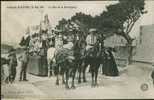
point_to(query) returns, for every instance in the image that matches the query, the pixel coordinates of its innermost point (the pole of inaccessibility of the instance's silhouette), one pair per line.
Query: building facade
(145, 46)
(119, 43)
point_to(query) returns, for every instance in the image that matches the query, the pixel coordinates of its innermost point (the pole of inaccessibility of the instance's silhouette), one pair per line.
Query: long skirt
(110, 68)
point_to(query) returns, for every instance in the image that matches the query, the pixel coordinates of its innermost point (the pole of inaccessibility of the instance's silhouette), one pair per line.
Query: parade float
(36, 40)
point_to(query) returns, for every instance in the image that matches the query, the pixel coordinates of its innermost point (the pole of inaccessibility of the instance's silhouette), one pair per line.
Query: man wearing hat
(12, 65)
(24, 62)
(91, 38)
(58, 40)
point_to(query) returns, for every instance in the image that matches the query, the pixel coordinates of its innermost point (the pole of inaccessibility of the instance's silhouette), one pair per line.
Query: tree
(80, 23)
(85, 22)
(62, 25)
(85, 19)
(120, 19)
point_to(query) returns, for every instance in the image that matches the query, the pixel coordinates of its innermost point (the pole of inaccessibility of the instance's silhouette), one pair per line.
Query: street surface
(127, 85)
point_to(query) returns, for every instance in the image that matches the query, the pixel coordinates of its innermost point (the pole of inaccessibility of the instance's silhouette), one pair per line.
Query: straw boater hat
(92, 30)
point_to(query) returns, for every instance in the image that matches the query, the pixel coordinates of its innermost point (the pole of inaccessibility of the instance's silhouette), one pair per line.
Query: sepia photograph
(77, 49)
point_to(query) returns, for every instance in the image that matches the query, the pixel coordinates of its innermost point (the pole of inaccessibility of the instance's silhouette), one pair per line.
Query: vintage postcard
(77, 49)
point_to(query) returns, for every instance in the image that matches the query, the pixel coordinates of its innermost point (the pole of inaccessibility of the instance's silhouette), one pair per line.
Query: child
(4, 69)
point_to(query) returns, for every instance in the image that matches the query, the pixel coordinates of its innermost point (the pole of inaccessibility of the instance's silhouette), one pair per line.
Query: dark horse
(79, 53)
(65, 65)
(93, 57)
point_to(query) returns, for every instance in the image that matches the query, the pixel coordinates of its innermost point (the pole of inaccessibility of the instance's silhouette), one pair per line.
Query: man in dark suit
(12, 65)
(24, 62)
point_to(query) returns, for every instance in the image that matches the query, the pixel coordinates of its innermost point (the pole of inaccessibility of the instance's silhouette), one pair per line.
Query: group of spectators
(12, 62)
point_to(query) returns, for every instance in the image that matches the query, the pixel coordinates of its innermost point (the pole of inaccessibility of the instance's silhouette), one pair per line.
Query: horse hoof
(79, 81)
(51, 74)
(92, 85)
(73, 87)
(96, 85)
(67, 87)
(84, 81)
(57, 83)
(6, 82)
(63, 82)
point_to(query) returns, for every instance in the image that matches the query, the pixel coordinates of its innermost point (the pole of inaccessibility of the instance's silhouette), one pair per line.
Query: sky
(14, 20)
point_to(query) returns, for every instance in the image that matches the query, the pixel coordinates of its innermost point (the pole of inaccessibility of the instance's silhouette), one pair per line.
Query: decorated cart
(37, 65)
(37, 41)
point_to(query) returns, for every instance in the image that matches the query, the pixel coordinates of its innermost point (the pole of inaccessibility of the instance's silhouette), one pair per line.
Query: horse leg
(92, 74)
(89, 70)
(57, 74)
(63, 79)
(11, 77)
(96, 75)
(79, 70)
(48, 69)
(57, 80)
(67, 77)
(73, 76)
(79, 79)
(51, 68)
(84, 73)
(7, 79)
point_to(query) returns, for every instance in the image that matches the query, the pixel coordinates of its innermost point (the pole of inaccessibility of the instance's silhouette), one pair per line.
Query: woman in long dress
(110, 66)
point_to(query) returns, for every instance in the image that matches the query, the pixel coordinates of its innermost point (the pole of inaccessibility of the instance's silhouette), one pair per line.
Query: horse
(65, 65)
(79, 53)
(93, 57)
